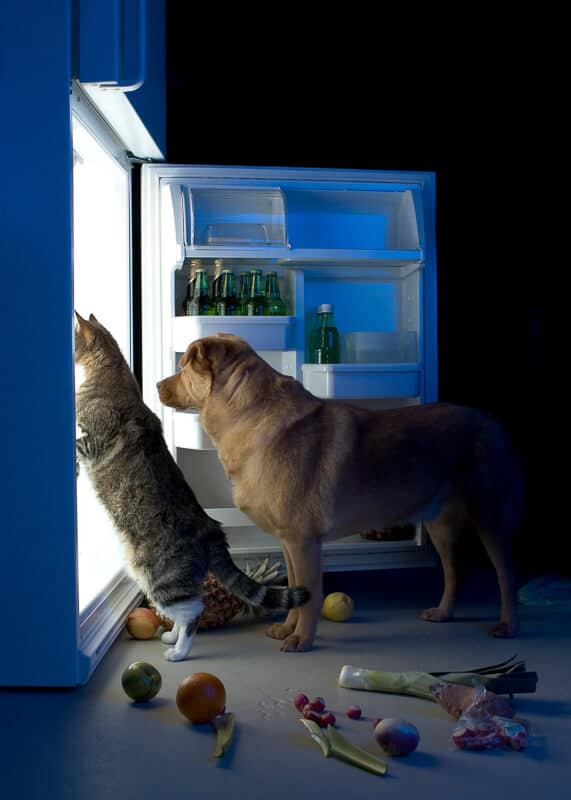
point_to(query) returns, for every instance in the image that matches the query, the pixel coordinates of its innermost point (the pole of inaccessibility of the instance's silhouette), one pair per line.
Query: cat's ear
(84, 329)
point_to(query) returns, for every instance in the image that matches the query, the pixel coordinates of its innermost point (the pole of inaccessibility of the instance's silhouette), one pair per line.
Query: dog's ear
(202, 354)
(84, 329)
(195, 356)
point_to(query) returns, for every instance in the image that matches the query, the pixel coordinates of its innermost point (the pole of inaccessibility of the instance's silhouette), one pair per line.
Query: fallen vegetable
(354, 712)
(509, 677)
(396, 736)
(333, 744)
(224, 726)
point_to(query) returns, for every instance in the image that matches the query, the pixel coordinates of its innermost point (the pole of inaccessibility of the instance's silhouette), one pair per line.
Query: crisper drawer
(355, 381)
(262, 333)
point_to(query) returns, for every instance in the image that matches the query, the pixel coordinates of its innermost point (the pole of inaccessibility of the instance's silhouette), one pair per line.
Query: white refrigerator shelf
(355, 381)
(249, 544)
(262, 333)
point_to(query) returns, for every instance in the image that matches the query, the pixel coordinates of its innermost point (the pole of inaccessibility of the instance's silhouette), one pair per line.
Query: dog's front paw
(435, 615)
(280, 630)
(296, 644)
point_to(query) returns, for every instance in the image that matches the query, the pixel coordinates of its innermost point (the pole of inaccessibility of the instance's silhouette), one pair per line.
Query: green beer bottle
(228, 302)
(193, 265)
(274, 306)
(325, 338)
(201, 305)
(216, 276)
(256, 303)
(244, 292)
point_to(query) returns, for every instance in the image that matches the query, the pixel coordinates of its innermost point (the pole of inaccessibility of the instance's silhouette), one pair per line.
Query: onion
(396, 736)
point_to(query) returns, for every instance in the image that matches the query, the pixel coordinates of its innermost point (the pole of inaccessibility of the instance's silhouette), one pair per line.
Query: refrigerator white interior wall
(101, 258)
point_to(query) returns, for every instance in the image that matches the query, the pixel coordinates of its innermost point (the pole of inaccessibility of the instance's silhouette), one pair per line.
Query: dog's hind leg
(498, 549)
(444, 535)
(281, 630)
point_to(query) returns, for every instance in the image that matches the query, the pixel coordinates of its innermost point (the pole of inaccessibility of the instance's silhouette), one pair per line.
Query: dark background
(392, 97)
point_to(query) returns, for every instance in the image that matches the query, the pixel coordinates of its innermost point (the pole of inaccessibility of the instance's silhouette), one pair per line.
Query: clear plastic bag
(478, 729)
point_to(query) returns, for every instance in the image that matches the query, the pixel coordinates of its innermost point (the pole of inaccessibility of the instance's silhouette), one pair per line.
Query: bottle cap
(325, 308)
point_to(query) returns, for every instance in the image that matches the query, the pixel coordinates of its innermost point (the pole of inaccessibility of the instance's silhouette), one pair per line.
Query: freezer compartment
(349, 381)
(262, 333)
(349, 218)
(221, 217)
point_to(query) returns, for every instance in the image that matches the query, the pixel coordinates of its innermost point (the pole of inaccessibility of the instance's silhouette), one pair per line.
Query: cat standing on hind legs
(170, 541)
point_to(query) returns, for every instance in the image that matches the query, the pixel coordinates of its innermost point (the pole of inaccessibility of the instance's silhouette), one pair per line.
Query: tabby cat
(170, 541)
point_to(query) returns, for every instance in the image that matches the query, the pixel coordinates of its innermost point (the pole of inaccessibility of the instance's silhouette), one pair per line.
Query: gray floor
(93, 743)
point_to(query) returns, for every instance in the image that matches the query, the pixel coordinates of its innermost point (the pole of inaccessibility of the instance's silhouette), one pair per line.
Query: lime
(141, 681)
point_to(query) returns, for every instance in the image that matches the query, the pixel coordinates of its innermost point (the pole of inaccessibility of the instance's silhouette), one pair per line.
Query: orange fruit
(201, 697)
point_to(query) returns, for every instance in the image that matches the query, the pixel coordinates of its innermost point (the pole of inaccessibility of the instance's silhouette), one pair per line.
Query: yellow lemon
(338, 607)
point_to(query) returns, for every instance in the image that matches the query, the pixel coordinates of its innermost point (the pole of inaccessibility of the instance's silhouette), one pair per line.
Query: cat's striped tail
(251, 591)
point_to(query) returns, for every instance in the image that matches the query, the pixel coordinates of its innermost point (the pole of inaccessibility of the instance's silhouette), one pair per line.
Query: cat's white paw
(169, 637)
(173, 655)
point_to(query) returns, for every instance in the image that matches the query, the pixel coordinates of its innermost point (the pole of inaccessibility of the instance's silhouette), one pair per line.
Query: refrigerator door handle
(112, 49)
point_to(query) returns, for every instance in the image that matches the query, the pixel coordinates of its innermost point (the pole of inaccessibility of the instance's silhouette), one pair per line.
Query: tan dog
(308, 470)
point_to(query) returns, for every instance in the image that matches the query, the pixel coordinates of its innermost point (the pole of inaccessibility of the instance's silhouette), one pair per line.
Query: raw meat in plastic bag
(457, 699)
(493, 733)
(478, 728)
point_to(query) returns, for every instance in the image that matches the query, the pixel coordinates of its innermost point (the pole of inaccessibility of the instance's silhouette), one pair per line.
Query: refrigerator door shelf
(356, 381)
(262, 333)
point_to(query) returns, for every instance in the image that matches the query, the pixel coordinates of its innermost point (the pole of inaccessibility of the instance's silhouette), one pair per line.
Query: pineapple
(220, 605)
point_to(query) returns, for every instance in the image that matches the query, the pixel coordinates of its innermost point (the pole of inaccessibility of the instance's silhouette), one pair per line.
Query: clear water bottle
(325, 344)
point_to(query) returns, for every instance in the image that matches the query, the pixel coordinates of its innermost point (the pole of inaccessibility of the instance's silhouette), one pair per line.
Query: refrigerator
(362, 241)
(106, 226)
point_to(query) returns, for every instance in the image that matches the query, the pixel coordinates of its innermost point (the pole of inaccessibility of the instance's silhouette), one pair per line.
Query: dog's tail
(249, 590)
